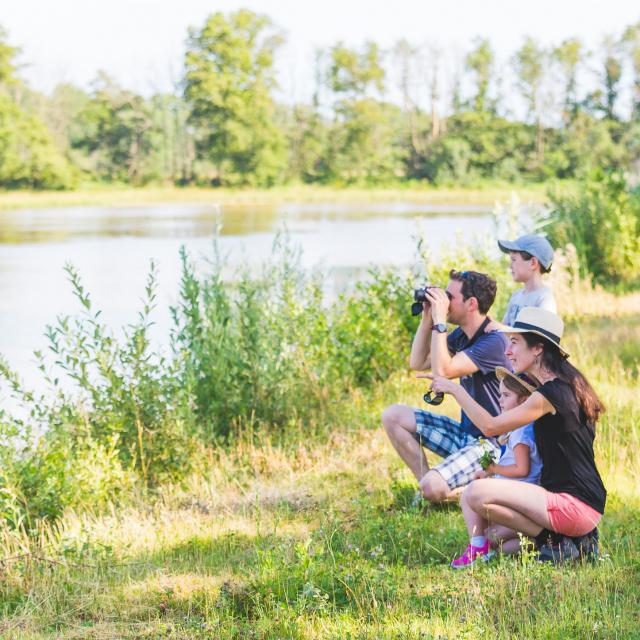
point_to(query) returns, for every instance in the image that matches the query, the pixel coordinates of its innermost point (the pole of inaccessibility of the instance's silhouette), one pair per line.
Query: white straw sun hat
(543, 323)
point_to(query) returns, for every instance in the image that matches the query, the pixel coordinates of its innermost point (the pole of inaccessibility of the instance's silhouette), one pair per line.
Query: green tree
(479, 144)
(355, 73)
(405, 56)
(480, 63)
(8, 54)
(612, 72)
(631, 42)
(307, 131)
(117, 131)
(307, 136)
(173, 156)
(529, 63)
(28, 156)
(227, 84)
(364, 139)
(59, 112)
(568, 55)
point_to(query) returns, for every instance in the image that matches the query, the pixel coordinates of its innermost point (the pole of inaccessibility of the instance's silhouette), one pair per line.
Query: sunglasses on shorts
(434, 400)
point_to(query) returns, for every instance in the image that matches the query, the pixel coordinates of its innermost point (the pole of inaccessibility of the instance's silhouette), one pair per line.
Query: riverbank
(112, 196)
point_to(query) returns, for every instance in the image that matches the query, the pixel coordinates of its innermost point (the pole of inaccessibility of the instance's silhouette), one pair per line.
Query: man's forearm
(440, 356)
(421, 345)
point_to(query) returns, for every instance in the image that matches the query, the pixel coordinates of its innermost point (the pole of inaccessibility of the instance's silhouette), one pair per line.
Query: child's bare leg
(499, 534)
(511, 547)
(476, 525)
(503, 538)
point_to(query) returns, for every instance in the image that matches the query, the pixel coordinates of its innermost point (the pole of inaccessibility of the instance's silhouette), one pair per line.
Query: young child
(531, 257)
(519, 461)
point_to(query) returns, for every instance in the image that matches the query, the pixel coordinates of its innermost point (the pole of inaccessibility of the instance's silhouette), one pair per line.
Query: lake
(113, 246)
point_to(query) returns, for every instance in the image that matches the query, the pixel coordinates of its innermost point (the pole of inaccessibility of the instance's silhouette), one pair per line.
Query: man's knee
(398, 416)
(434, 487)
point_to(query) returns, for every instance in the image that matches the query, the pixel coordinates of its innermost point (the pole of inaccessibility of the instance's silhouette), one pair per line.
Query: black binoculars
(420, 296)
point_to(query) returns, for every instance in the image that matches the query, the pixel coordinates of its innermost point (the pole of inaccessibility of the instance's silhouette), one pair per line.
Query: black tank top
(565, 442)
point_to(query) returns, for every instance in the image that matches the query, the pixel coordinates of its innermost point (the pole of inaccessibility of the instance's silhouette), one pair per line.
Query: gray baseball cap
(538, 246)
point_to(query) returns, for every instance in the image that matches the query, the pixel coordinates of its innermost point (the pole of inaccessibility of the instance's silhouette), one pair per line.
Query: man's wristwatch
(440, 327)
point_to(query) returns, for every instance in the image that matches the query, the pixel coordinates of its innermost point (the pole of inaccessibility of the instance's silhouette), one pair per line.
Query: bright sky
(141, 42)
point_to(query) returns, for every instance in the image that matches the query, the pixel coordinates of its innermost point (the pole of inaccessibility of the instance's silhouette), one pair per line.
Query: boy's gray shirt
(542, 298)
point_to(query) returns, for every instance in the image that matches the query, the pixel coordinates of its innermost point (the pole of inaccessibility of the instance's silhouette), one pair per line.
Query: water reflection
(189, 221)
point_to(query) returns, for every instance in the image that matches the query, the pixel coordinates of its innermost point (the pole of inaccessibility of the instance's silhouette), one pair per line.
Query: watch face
(440, 328)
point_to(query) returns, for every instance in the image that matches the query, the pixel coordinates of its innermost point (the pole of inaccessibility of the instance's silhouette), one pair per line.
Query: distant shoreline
(111, 196)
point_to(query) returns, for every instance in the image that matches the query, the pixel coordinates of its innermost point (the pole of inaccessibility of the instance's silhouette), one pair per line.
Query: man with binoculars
(468, 353)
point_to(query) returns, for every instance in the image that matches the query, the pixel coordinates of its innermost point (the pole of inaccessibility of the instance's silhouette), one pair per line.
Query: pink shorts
(569, 515)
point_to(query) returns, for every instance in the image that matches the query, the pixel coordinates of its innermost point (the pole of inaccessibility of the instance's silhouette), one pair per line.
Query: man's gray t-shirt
(542, 298)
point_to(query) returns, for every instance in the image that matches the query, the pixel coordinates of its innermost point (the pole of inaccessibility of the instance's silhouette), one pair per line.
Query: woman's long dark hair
(554, 362)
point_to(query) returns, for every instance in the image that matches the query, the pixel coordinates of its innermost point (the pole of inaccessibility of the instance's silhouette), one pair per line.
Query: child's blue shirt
(523, 435)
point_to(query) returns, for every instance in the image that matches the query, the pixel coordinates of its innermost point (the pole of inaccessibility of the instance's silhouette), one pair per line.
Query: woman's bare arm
(533, 408)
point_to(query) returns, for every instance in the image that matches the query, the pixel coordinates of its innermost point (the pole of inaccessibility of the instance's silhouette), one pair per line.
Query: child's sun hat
(528, 384)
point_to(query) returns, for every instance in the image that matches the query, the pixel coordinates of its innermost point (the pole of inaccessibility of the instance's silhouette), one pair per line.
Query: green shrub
(602, 220)
(447, 161)
(41, 476)
(28, 156)
(123, 389)
(267, 350)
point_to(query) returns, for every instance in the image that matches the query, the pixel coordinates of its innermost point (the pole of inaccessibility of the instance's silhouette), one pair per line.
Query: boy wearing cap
(531, 257)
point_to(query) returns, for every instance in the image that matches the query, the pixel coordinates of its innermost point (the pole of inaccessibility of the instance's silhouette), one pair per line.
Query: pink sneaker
(470, 555)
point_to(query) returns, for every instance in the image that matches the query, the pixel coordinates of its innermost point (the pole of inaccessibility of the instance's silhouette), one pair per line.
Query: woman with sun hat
(562, 513)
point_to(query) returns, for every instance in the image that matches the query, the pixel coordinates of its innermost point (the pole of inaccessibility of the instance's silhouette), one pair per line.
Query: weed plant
(260, 352)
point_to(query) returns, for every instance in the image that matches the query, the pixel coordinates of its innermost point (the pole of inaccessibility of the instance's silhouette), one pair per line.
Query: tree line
(376, 116)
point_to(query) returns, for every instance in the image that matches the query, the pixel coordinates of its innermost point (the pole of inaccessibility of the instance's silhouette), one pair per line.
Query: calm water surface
(112, 248)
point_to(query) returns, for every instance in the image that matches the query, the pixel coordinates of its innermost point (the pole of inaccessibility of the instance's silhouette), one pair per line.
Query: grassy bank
(313, 536)
(111, 196)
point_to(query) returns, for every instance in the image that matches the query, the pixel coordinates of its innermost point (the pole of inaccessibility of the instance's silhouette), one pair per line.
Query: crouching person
(467, 353)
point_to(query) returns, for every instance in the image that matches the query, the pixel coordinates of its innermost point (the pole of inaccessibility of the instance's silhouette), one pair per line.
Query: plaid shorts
(461, 450)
